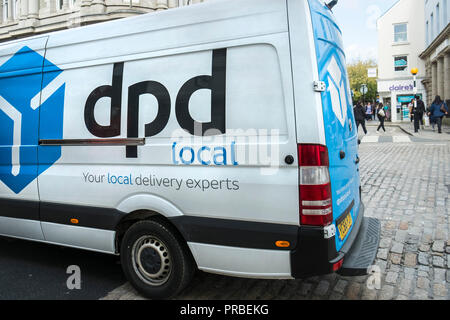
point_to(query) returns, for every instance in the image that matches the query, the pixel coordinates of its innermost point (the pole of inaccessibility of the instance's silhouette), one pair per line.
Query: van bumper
(316, 255)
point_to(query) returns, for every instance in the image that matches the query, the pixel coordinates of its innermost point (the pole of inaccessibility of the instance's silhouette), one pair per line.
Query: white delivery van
(218, 137)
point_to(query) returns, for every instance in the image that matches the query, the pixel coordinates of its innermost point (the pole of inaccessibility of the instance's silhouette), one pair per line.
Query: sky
(358, 22)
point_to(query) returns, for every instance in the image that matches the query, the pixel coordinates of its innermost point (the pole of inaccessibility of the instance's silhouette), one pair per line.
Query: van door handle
(342, 155)
(357, 160)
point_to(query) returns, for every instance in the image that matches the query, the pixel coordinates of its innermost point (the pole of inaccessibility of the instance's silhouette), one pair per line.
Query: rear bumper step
(364, 249)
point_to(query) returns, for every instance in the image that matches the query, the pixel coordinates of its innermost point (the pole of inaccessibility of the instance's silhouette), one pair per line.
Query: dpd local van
(218, 136)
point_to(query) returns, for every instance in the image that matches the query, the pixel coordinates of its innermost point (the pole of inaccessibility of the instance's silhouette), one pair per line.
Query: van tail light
(316, 206)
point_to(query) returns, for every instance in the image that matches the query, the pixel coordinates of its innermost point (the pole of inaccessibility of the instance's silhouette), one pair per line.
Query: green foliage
(357, 72)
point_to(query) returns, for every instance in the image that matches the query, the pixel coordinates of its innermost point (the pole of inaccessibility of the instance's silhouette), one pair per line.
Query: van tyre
(155, 260)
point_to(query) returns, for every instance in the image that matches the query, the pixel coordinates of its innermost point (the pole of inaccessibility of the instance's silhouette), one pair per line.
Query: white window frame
(445, 12)
(406, 32)
(438, 16)
(432, 26)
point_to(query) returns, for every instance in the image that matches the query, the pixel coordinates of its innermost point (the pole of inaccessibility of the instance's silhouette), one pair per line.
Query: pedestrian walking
(438, 110)
(432, 120)
(418, 114)
(381, 117)
(360, 117)
(374, 112)
(411, 110)
(387, 110)
(369, 112)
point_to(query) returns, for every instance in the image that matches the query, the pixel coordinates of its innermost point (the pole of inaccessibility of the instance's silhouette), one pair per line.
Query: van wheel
(155, 261)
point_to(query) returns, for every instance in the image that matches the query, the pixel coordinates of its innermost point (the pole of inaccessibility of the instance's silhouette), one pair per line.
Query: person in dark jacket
(381, 116)
(360, 116)
(438, 110)
(418, 114)
(432, 120)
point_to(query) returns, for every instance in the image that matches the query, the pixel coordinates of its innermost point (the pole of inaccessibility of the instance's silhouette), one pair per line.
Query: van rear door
(20, 84)
(339, 123)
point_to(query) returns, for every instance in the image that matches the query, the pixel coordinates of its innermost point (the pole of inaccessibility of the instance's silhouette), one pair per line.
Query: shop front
(397, 95)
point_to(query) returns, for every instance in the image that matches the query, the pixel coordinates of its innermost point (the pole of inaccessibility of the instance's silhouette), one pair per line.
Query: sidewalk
(408, 128)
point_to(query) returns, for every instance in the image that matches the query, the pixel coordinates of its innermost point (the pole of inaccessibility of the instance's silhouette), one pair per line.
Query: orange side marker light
(282, 244)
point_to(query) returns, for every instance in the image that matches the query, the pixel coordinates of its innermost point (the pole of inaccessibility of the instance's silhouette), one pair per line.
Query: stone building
(437, 52)
(23, 18)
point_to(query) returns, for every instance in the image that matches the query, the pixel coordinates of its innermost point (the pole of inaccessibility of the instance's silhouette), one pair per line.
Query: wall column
(33, 9)
(446, 94)
(65, 5)
(440, 77)
(10, 10)
(52, 6)
(23, 9)
(433, 80)
(1, 12)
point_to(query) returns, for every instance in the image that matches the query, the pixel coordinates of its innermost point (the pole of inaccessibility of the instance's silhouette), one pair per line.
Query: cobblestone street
(406, 186)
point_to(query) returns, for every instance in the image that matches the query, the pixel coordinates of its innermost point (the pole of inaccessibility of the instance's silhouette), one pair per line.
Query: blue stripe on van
(339, 123)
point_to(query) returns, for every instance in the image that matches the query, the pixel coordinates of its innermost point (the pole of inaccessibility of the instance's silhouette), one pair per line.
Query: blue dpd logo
(31, 108)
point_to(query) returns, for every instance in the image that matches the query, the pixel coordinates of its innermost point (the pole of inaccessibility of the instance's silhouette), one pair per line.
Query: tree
(357, 73)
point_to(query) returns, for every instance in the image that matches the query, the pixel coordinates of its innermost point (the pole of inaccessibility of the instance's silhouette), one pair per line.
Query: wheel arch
(141, 207)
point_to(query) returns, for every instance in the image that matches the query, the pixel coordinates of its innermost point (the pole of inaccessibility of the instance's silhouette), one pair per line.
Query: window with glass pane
(400, 33)
(401, 63)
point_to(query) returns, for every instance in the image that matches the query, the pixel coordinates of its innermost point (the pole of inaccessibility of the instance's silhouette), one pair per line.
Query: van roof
(211, 10)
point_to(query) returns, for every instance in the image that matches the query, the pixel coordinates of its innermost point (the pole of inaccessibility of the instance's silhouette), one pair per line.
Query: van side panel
(159, 85)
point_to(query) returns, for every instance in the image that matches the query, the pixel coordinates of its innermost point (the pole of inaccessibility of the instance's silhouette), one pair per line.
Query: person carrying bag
(381, 117)
(437, 111)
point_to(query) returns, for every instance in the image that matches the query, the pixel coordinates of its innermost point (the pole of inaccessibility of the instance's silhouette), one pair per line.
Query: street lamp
(414, 72)
(363, 89)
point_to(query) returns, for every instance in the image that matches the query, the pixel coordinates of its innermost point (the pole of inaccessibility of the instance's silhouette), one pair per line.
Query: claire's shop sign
(408, 87)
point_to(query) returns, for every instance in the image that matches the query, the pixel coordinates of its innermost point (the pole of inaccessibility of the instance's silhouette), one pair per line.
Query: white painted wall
(411, 13)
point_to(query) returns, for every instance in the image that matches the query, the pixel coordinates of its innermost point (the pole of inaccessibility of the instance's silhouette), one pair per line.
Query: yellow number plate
(345, 226)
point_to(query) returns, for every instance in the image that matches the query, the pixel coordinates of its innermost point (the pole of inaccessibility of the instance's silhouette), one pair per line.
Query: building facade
(401, 38)
(436, 54)
(23, 18)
